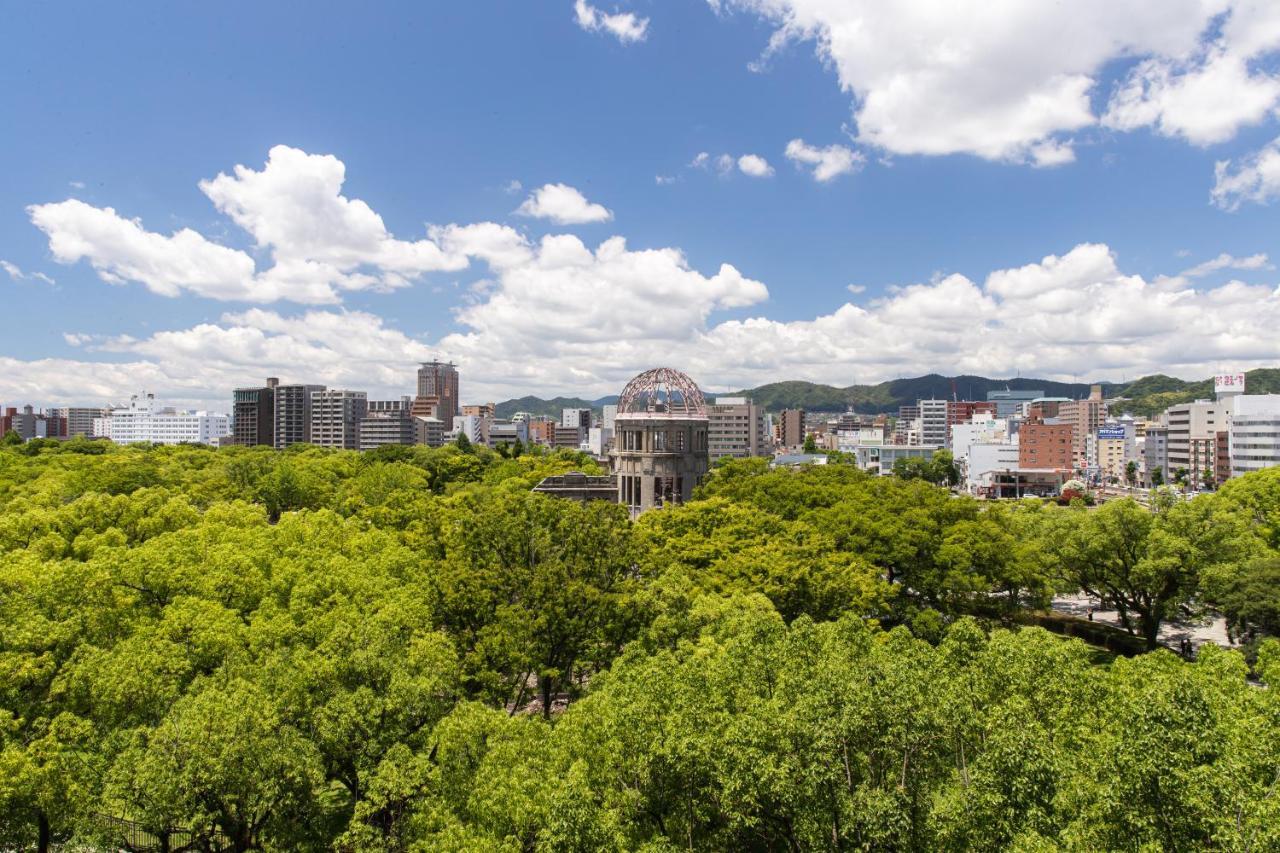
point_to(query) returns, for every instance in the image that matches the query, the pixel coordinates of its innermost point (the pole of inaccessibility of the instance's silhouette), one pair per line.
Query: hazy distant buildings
(336, 416)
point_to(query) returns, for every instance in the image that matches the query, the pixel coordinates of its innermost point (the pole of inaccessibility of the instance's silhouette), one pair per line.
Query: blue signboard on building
(1111, 432)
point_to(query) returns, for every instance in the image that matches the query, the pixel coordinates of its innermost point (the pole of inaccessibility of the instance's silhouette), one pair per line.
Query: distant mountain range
(1146, 396)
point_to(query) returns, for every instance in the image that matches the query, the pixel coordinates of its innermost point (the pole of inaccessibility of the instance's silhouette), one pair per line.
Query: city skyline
(1088, 206)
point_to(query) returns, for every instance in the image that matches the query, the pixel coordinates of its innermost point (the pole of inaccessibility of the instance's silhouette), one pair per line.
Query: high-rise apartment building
(934, 423)
(293, 414)
(735, 428)
(905, 427)
(575, 417)
(481, 410)
(77, 421)
(1254, 433)
(440, 380)
(387, 422)
(253, 415)
(1155, 453)
(335, 417)
(791, 428)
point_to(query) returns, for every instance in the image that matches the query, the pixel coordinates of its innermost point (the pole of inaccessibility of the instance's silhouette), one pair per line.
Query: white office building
(934, 423)
(1254, 434)
(145, 421)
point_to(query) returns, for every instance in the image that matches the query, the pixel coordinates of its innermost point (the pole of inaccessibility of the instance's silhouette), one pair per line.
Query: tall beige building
(439, 379)
(1084, 417)
(1192, 436)
(735, 428)
(791, 428)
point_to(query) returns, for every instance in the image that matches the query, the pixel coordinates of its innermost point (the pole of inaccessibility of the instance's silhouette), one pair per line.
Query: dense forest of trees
(408, 649)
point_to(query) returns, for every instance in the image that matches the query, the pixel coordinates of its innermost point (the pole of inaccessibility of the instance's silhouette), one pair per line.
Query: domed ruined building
(660, 440)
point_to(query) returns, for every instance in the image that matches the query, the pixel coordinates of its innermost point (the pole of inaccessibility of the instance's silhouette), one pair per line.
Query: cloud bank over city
(559, 314)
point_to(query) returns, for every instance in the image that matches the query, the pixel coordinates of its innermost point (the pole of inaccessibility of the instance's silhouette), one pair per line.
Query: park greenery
(408, 649)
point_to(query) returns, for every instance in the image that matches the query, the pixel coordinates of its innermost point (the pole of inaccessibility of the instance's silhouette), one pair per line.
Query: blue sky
(1030, 205)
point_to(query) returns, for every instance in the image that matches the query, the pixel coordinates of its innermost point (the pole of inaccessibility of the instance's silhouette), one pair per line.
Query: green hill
(1146, 396)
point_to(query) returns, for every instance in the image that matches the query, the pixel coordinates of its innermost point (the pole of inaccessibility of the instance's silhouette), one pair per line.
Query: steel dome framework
(662, 391)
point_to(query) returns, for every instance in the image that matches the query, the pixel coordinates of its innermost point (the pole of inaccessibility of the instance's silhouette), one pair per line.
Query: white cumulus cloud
(625, 26)
(1013, 81)
(1226, 261)
(320, 242)
(827, 163)
(563, 204)
(1255, 178)
(754, 165)
(16, 273)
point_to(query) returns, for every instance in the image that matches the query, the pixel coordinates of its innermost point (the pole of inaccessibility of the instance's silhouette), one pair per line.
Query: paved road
(1171, 633)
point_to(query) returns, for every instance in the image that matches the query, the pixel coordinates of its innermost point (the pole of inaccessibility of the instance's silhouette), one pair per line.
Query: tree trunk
(42, 832)
(1151, 631)
(544, 684)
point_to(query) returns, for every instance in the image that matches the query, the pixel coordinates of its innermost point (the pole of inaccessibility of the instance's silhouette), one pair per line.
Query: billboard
(1110, 432)
(1228, 383)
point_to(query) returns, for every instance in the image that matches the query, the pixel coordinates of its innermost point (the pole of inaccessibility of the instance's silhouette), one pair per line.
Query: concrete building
(1112, 450)
(73, 421)
(791, 428)
(846, 441)
(508, 433)
(982, 429)
(608, 413)
(660, 449)
(987, 463)
(879, 459)
(599, 441)
(934, 423)
(574, 417)
(481, 410)
(908, 421)
(1009, 402)
(26, 422)
(336, 416)
(439, 379)
(387, 422)
(145, 421)
(580, 487)
(1192, 435)
(1155, 454)
(293, 414)
(966, 411)
(1254, 433)
(542, 430)
(253, 413)
(1045, 446)
(570, 437)
(429, 431)
(735, 428)
(474, 428)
